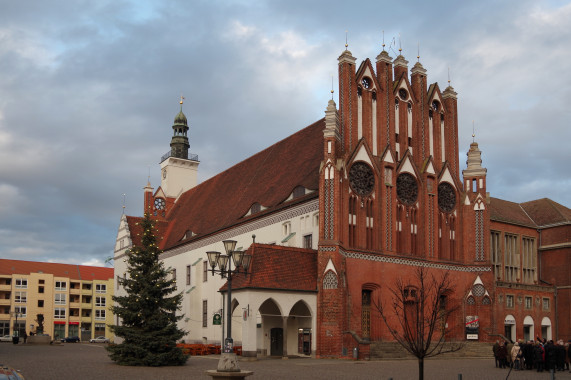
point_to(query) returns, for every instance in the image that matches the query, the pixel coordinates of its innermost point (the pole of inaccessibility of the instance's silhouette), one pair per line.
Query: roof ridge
(526, 214)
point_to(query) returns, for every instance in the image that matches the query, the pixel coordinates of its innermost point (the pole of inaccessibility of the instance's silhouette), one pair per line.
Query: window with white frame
(99, 315)
(60, 299)
(286, 227)
(61, 285)
(21, 283)
(20, 310)
(510, 301)
(100, 288)
(20, 297)
(100, 301)
(528, 302)
(59, 313)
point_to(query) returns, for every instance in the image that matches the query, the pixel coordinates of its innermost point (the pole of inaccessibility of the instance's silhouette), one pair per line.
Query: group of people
(539, 355)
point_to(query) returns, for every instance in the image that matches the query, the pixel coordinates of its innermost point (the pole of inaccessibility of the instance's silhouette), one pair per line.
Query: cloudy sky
(89, 91)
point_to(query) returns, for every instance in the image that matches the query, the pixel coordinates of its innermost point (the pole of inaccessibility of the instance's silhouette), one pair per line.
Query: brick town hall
(335, 213)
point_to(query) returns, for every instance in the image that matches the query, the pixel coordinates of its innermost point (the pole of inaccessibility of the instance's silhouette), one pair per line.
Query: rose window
(407, 188)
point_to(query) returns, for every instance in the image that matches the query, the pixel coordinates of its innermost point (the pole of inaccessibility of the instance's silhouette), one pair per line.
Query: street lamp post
(228, 362)
(16, 334)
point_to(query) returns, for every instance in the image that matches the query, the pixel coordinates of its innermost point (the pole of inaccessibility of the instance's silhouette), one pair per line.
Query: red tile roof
(267, 177)
(509, 212)
(74, 272)
(277, 267)
(545, 211)
(136, 230)
(538, 213)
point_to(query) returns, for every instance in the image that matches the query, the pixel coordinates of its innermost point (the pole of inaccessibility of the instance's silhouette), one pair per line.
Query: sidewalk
(84, 361)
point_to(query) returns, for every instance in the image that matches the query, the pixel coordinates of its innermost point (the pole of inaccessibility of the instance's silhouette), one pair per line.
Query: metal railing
(191, 157)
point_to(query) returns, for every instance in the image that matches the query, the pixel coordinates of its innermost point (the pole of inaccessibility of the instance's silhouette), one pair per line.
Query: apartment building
(73, 299)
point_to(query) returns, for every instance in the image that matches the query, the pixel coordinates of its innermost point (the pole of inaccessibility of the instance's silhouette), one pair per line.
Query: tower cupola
(179, 141)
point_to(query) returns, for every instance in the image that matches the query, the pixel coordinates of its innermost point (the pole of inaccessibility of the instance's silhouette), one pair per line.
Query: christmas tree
(148, 311)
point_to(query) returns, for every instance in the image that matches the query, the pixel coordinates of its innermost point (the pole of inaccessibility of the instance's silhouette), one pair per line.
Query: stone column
(285, 332)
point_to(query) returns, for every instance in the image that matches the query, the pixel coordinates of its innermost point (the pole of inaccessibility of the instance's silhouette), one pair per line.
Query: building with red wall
(377, 190)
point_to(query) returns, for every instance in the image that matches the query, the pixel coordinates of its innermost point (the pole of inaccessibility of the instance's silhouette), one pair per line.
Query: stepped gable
(136, 231)
(280, 268)
(545, 212)
(267, 177)
(509, 212)
(72, 271)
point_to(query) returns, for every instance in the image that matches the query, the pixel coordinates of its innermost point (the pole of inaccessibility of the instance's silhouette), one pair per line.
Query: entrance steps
(393, 350)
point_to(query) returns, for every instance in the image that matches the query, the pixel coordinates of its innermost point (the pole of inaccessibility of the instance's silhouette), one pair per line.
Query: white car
(99, 339)
(6, 338)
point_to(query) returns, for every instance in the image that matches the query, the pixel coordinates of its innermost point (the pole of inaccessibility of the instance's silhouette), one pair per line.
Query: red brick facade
(391, 199)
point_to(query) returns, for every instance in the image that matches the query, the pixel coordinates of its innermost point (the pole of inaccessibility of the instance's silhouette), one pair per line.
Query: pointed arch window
(470, 300)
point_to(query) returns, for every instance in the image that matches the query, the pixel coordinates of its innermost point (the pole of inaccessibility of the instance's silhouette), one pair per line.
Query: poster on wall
(472, 327)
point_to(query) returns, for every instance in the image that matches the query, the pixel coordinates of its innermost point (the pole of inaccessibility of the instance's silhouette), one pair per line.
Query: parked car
(99, 339)
(71, 339)
(6, 338)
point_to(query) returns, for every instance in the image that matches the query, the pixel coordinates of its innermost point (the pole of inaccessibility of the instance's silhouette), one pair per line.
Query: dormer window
(256, 207)
(299, 191)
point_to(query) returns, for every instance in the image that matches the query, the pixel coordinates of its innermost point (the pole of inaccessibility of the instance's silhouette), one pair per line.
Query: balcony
(86, 305)
(74, 305)
(4, 302)
(4, 287)
(75, 291)
(86, 319)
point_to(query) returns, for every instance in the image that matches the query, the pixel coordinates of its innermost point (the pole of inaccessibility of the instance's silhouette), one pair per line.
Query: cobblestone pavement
(84, 361)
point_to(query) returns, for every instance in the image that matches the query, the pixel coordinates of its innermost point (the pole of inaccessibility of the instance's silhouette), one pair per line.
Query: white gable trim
(362, 155)
(330, 267)
(407, 167)
(447, 177)
(371, 76)
(430, 168)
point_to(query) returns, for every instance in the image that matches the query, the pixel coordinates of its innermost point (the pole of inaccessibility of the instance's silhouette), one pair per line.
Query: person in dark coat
(528, 355)
(538, 356)
(503, 355)
(495, 349)
(560, 355)
(550, 356)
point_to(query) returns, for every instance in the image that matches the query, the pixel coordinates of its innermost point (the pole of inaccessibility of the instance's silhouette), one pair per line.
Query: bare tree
(418, 314)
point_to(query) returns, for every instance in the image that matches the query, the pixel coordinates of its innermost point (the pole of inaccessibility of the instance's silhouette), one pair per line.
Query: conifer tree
(147, 313)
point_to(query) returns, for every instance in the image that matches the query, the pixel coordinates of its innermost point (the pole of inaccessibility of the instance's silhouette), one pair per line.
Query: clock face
(160, 204)
(446, 197)
(407, 188)
(361, 179)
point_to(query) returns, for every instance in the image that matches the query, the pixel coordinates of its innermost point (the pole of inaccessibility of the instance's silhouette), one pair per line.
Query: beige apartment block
(73, 299)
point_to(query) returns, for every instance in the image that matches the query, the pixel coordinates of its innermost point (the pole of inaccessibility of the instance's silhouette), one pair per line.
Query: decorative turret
(179, 141)
(178, 169)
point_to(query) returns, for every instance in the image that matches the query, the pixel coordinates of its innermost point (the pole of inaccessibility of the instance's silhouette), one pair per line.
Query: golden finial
(332, 91)
(473, 132)
(181, 99)
(449, 76)
(418, 52)
(124, 195)
(400, 45)
(383, 40)
(346, 42)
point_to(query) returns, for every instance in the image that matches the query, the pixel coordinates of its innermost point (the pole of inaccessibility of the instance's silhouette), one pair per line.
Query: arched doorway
(528, 328)
(299, 329)
(546, 328)
(510, 327)
(272, 329)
